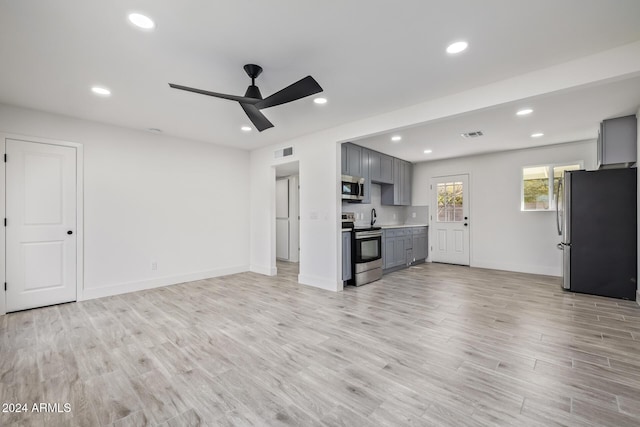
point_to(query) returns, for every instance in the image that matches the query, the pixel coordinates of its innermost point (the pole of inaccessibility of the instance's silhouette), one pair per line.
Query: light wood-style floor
(434, 345)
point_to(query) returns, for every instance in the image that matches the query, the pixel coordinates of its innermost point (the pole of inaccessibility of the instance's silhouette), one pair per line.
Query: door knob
(69, 232)
(465, 224)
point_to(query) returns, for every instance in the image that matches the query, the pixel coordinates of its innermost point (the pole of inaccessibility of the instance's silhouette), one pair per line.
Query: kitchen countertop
(347, 229)
(403, 226)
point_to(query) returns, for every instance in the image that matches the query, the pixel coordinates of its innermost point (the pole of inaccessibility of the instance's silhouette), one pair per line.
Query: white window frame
(550, 167)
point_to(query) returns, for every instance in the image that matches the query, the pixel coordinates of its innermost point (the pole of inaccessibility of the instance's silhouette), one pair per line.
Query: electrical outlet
(154, 265)
(413, 214)
(395, 216)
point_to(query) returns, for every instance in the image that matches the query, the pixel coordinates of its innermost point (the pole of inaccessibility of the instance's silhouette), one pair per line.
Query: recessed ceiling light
(320, 100)
(101, 91)
(245, 128)
(537, 135)
(428, 151)
(396, 138)
(457, 47)
(141, 21)
(524, 112)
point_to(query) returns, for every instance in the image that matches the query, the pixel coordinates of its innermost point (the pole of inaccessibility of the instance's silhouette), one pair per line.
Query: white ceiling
(370, 56)
(563, 117)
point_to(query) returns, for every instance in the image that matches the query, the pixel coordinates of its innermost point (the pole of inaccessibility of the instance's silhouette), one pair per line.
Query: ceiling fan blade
(257, 118)
(300, 89)
(243, 99)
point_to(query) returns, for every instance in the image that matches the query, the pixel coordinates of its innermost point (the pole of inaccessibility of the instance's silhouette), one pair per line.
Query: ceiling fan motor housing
(253, 92)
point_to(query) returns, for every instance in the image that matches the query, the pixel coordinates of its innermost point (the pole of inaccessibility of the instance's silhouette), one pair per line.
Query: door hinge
(5, 157)
(5, 222)
(5, 286)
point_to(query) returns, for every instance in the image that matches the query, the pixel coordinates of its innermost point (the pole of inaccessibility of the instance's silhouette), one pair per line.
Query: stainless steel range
(366, 256)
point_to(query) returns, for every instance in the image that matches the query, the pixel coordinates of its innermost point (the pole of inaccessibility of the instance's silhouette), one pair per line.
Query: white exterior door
(41, 224)
(450, 219)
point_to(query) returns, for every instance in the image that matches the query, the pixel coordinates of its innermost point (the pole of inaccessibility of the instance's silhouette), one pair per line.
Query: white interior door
(41, 224)
(282, 219)
(450, 219)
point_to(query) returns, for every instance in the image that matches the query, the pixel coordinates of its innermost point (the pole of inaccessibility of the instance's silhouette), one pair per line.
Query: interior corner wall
(318, 204)
(151, 198)
(503, 237)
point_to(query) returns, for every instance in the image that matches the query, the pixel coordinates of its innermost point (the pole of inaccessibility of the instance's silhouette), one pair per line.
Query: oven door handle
(367, 234)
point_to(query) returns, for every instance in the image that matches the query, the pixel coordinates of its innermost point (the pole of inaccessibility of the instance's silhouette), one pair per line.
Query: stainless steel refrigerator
(597, 218)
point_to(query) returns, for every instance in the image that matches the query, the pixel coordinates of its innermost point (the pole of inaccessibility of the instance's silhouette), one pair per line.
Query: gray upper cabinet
(393, 174)
(398, 194)
(343, 158)
(381, 167)
(366, 174)
(351, 160)
(617, 141)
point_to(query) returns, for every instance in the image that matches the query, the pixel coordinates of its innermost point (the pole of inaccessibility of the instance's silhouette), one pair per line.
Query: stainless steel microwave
(352, 188)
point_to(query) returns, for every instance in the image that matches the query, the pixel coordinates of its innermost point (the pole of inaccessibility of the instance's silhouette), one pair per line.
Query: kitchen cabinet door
(343, 158)
(420, 246)
(388, 252)
(365, 167)
(386, 169)
(346, 256)
(406, 183)
(354, 160)
(399, 251)
(381, 168)
(617, 141)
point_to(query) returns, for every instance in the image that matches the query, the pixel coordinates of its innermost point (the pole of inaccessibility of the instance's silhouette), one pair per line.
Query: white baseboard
(266, 270)
(531, 269)
(124, 288)
(320, 282)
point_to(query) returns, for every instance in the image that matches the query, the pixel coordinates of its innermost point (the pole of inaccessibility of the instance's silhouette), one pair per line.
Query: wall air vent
(475, 134)
(283, 152)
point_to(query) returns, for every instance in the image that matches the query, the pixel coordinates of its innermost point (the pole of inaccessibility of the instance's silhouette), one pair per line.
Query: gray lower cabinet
(403, 246)
(420, 243)
(346, 256)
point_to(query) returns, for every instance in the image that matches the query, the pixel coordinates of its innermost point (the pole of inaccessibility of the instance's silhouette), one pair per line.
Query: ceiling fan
(252, 101)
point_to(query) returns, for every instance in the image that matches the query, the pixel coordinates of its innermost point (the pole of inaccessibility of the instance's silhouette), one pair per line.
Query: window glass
(540, 185)
(535, 187)
(450, 201)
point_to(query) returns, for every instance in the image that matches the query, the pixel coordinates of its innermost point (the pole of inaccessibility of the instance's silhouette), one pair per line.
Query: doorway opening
(287, 220)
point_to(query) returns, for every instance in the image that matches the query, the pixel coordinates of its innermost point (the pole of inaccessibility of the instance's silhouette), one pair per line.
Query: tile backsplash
(387, 215)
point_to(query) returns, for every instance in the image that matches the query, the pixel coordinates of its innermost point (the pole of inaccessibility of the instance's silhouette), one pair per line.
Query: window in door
(450, 201)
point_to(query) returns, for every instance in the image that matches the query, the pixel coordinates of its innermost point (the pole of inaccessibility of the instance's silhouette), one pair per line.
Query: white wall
(319, 211)
(501, 235)
(181, 203)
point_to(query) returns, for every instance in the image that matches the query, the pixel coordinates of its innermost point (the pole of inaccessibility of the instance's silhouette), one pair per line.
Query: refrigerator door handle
(558, 222)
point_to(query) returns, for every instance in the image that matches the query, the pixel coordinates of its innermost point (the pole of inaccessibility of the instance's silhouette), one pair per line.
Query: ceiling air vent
(475, 134)
(283, 152)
